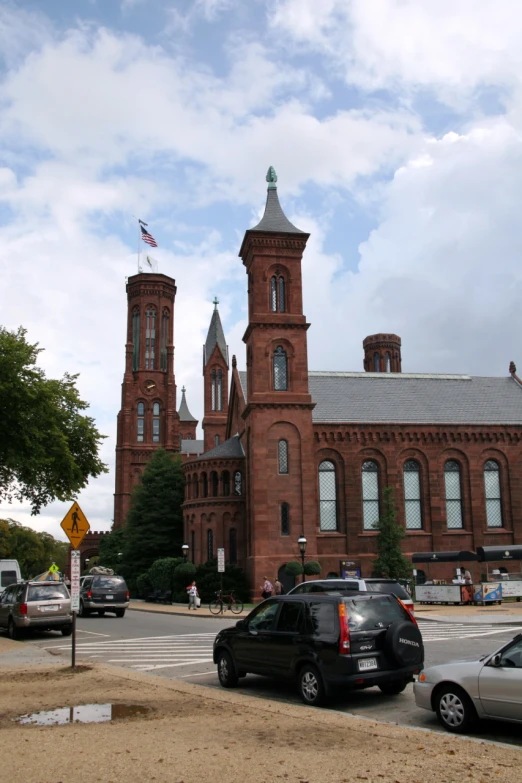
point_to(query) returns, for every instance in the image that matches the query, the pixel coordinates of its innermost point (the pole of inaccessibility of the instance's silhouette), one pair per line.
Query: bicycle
(217, 606)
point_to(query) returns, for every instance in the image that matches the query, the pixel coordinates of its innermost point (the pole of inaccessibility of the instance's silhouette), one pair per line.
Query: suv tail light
(344, 636)
(410, 613)
(23, 609)
(88, 594)
(127, 596)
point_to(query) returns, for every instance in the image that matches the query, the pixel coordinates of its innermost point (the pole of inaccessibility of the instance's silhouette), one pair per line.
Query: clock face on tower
(150, 386)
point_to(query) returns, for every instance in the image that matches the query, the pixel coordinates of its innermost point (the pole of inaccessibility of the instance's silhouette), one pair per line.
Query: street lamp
(302, 548)
(185, 549)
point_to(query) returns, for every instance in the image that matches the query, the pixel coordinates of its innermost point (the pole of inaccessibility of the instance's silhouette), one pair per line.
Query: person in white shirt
(192, 591)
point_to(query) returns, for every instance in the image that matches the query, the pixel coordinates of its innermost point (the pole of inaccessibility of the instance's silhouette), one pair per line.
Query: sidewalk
(506, 614)
(192, 734)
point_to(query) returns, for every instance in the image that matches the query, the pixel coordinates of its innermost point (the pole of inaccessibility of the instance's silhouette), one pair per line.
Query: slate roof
(215, 336)
(412, 398)
(192, 446)
(274, 218)
(229, 448)
(243, 381)
(184, 413)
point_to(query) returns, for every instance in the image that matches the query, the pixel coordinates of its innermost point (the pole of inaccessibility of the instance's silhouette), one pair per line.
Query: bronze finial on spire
(271, 178)
(183, 390)
(215, 302)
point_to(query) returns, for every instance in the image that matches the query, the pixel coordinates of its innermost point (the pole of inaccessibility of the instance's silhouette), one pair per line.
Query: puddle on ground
(83, 713)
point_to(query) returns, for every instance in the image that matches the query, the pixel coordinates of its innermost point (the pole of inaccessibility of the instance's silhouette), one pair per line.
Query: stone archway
(287, 581)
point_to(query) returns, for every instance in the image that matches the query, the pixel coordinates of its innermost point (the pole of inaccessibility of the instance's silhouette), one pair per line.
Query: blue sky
(395, 130)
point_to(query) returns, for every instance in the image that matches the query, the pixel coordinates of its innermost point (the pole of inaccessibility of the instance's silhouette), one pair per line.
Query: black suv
(102, 593)
(324, 642)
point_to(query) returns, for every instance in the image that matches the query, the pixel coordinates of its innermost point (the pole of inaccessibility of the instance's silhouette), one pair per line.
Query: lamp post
(185, 549)
(301, 541)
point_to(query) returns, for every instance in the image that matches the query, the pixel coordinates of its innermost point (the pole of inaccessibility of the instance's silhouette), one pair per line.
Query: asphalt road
(181, 648)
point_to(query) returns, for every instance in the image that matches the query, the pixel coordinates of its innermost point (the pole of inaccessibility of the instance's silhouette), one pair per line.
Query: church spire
(215, 336)
(274, 219)
(184, 413)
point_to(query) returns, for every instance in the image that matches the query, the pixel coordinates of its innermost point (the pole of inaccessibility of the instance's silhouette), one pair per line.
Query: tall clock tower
(148, 417)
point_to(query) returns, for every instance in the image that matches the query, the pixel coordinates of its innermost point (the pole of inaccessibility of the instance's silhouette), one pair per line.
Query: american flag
(148, 238)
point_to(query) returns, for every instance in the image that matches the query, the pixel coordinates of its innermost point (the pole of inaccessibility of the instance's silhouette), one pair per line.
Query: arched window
(493, 494)
(376, 362)
(273, 294)
(282, 295)
(195, 484)
(232, 546)
(282, 455)
(327, 496)
(219, 393)
(214, 483)
(164, 339)
(238, 483)
(210, 544)
(193, 546)
(452, 483)
(156, 422)
(370, 493)
(136, 339)
(277, 293)
(280, 370)
(150, 338)
(387, 360)
(216, 440)
(204, 485)
(412, 495)
(140, 429)
(213, 388)
(285, 519)
(225, 481)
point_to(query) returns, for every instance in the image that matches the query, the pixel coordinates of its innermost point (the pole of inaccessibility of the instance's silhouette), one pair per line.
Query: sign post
(221, 570)
(75, 526)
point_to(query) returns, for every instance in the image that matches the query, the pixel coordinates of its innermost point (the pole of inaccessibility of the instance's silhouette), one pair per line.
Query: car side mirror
(495, 661)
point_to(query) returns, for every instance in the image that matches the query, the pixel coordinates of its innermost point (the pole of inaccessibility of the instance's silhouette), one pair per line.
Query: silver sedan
(462, 692)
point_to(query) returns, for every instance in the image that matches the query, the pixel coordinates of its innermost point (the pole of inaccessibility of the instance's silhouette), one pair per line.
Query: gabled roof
(192, 447)
(243, 381)
(215, 336)
(184, 413)
(229, 448)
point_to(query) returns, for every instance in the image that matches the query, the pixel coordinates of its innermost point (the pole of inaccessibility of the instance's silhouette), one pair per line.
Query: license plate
(367, 664)
(48, 608)
(109, 598)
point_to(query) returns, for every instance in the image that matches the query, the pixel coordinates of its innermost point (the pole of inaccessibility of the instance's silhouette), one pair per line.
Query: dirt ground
(194, 734)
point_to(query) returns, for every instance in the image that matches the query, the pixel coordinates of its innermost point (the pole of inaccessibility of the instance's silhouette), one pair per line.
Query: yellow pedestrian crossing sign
(75, 525)
(54, 569)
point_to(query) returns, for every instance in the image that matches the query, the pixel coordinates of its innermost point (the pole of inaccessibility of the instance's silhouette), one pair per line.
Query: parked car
(324, 642)
(45, 606)
(9, 573)
(462, 692)
(346, 586)
(103, 593)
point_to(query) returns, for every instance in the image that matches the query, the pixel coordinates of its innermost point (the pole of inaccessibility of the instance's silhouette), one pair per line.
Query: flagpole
(139, 240)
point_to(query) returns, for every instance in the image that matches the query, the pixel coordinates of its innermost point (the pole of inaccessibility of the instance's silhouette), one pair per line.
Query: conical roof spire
(215, 336)
(274, 218)
(184, 413)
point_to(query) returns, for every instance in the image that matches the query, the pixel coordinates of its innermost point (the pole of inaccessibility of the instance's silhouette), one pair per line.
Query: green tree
(48, 448)
(112, 546)
(34, 551)
(154, 526)
(390, 562)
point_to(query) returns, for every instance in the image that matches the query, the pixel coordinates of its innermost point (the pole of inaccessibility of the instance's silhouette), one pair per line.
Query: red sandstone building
(289, 452)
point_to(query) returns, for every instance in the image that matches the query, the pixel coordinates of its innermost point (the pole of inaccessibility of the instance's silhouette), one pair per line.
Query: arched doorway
(286, 580)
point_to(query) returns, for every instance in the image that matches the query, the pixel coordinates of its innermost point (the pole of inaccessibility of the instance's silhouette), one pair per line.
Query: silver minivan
(36, 605)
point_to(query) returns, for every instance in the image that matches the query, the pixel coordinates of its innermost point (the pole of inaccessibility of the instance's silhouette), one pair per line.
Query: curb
(180, 614)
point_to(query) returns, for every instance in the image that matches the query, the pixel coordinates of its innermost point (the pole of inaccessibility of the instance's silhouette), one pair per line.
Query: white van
(9, 573)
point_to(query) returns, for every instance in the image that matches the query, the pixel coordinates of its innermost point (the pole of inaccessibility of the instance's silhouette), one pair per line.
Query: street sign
(75, 525)
(221, 561)
(75, 580)
(54, 569)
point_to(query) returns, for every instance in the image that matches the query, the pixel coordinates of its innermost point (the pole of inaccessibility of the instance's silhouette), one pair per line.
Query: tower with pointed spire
(187, 422)
(215, 375)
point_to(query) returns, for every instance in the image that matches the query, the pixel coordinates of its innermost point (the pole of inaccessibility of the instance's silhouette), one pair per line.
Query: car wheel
(393, 688)
(101, 612)
(120, 612)
(311, 688)
(82, 611)
(455, 709)
(12, 631)
(226, 670)
(67, 630)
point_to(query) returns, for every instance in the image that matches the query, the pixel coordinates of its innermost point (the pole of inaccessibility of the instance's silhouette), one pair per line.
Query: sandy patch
(194, 734)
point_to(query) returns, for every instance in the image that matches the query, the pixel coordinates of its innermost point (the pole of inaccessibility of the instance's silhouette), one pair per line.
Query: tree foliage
(111, 549)
(48, 448)
(294, 568)
(34, 551)
(154, 526)
(312, 568)
(390, 563)
(161, 574)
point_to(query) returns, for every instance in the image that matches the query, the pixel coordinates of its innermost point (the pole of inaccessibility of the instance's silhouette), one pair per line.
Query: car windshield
(109, 582)
(388, 587)
(47, 592)
(372, 613)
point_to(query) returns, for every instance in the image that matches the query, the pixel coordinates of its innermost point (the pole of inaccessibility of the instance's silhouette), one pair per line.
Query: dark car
(44, 606)
(324, 642)
(102, 593)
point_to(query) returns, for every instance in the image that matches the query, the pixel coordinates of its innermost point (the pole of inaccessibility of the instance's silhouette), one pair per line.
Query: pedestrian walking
(267, 588)
(278, 587)
(193, 595)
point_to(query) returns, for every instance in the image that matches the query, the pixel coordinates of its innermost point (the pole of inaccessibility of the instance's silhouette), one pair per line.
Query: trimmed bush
(183, 575)
(143, 585)
(209, 581)
(312, 568)
(162, 573)
(294, 568)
